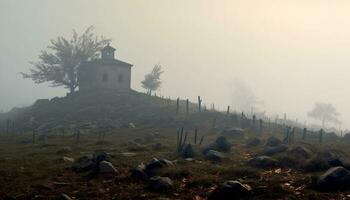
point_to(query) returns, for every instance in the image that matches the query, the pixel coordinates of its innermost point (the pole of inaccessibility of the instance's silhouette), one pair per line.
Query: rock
(263, 162)
(64, 150)
(273, 141)
(64, 197)
(134, 146)
(107, 168)
(68, 159)
(84, 163)
(157, 146)
(187, 151)
(326, 159)
(140, 172)
(160, 184)
(336, 178)
(300, 151)
(233, 132)
(253, 142)
(128, 154)
(271, 150)
(230, 190)
(99, 156)
(131, 125)
(221, 144)
(156, 164)
(214, 156)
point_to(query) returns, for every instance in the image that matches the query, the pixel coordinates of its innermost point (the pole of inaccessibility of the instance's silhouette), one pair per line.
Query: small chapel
(106, 73)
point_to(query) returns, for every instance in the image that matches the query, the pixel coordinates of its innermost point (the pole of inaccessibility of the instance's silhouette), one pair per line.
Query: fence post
(187, 106)
(228, 111)
(199, 104)
(260, 126)
(304, 133)
(177, 105)
(195, 135)
(321, 136)
(7, 127)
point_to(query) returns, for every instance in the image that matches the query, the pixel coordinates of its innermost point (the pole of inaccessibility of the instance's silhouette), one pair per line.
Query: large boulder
(263, 162)
(156, 164)
(326, 159)
(140, 172)
(187, 151)
(273, 141)
(107, 168)
(84, 163)
(253, 142)
(160, 184)
(271, 150)
(336, 178)
(215, 156)
(300, 151)
(221, 144)
(230, 190)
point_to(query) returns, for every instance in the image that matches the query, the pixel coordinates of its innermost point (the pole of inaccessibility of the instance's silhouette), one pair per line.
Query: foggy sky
(292, 53)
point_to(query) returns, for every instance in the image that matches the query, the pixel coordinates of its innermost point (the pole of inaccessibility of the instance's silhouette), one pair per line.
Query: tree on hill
(152, 80)
(324, 112)
(58, 64)
(243, 98)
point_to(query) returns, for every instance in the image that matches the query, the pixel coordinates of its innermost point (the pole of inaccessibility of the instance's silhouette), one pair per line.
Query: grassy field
(36, 171)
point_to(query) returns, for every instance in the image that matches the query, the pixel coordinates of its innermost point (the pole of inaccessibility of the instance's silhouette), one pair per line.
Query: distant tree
(60, 63)
(243, 98)
(152, 80)
(324, 112)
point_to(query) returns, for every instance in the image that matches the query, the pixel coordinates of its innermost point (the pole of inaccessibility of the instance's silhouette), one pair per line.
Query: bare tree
(152, 80)
(244, 97)
(324, 112)
(60, 63)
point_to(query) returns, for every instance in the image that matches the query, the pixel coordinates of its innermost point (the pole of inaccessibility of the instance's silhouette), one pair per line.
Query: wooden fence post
(199, 104)
(228, 111)
(304, 133)
(195, 135)
(177, 105)
(187, 106)
(321, 136)
(260, 126)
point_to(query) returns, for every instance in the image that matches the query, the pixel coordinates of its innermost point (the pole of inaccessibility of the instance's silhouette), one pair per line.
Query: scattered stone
(187, 151)
(64, 150)
(214, 156)
(128, 154)
(68, 159)
(336, 178)
(107, 168)
(131, 125)
(221, 144)
(230, 190)
(326, 159)
(300, 151)
(253, 142)
(156, 164)
(233, 132)
(134, 146)
(140, 172)
(157, 146)
(84, 163)
(271, 150)
(160, 184)
(99, 156)
(273, 141)
(263, 162)
(64, 197)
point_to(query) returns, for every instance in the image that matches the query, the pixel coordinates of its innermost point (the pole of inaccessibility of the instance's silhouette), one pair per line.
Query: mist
(290, 53)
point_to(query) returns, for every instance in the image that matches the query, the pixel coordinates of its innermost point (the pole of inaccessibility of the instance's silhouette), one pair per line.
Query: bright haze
(291, 53)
